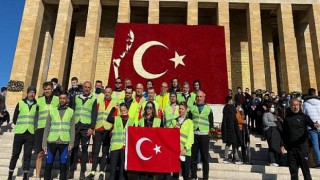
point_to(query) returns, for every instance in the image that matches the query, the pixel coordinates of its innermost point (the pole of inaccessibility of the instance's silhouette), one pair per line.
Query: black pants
(298, 157)
(80, 136)
(25, 140)
(114, 157)
(63, 155)
(185, 168)
(104, 138)
(200, 142)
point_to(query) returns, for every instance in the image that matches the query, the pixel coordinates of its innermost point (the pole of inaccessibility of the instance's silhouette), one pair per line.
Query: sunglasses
(149, 107)
(118, 82)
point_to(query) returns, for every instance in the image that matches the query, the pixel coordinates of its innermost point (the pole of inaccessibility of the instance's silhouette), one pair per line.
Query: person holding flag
(149, 118)
(59, 136)
(186, 140)
(118, 140)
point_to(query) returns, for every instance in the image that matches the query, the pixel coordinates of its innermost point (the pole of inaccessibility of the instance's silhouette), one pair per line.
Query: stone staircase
(217, 169)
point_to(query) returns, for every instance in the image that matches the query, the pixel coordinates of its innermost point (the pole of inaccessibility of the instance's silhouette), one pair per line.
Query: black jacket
(295, 129)
(230, 129)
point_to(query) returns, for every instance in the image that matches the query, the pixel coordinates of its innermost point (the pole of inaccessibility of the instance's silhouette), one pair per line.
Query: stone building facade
(270, 44)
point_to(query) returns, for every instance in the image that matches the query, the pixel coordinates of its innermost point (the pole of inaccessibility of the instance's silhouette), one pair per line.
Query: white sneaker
(226, 161)
(238, 162)
(274, 164)
(199, 166)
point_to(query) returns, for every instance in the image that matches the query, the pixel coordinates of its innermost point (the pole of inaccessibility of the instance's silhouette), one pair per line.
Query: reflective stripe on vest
(44, 110)
(83, 111)
(118, 139)
(169, 115)
(185, 129)
(103, 114)
(201, 120)
(60, 128)
(25, 119)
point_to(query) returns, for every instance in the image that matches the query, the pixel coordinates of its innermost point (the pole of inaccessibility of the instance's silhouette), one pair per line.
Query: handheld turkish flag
(161, 52)
(153, 149)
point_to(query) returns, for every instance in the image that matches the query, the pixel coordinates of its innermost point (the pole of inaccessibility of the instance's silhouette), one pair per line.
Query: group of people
(286, 123)
(64, 121)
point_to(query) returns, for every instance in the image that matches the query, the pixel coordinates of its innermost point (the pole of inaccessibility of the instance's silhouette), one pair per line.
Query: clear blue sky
(10, 20)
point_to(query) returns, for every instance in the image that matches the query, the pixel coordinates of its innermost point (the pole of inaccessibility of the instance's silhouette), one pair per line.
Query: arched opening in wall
(139, 11)
(239, 48)
(173, 12)
(41, 66)
(207, 13)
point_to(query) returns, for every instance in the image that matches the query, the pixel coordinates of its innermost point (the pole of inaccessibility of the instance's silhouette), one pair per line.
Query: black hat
(32, 88)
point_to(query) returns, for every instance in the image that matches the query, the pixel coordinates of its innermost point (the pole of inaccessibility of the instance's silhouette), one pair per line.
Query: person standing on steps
(295, 138)
(45, 103)
(230, 131)
(59, 136)
(23, 118)
(85, 120)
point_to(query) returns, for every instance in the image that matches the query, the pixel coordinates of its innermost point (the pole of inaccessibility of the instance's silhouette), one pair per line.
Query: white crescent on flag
(137, 60)
(138, 148)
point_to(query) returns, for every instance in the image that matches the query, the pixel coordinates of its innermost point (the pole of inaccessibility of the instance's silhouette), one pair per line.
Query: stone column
(60, 40)
(89, 58)
(44, 50)
(124, 11)
(314, 28)
(223, 20)
(153, 16)
(192, 17)
(290, 73)
(258, 80)
(26, 49)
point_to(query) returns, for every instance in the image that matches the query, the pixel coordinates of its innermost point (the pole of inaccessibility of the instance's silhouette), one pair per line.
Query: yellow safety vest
(25, 119)
(169, 115)
(44, 110)
(201, 120)
(60, 128)
(118, 139)
(103, 114)
(186, 135)
(156, 122)
(83, 111)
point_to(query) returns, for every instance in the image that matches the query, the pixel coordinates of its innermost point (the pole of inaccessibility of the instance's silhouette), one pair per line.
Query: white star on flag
(177, 59)
(157, 149)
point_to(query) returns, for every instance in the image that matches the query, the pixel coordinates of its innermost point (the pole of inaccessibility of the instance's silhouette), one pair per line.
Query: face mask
(5, 95)
(239, 91)
(74, 86)
(299, 98)
(98, 90)
(54, 86)
(272, 110)
(288, 98)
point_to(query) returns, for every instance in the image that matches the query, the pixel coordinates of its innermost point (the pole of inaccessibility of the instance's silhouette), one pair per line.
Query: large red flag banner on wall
(161, 52)
(153, 149)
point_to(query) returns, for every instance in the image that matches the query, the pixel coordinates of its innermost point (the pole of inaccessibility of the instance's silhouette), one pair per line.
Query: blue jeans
(315, 137)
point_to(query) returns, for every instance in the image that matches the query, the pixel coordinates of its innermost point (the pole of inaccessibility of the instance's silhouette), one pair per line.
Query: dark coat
(230, 129)
(274, 138)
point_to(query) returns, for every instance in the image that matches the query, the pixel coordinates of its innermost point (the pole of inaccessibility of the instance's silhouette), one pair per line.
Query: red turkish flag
(153, 149)
(161, 52)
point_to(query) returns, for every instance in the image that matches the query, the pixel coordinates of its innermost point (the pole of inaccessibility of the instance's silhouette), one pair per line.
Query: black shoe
(90, 177)
(82, 176)
(70, 175)
(101, 177)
